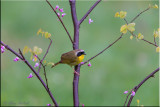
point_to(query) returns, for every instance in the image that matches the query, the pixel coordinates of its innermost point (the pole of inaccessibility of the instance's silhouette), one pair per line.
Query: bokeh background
(119, 68)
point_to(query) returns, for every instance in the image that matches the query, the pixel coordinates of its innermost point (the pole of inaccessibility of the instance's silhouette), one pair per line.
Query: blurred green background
(119, 68)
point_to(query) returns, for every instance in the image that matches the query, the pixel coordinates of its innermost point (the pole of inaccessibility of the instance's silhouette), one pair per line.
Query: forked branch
(119, 38)
(45, 55)
(141, 83)
(21, 56)
(89, 11)
(60, 21)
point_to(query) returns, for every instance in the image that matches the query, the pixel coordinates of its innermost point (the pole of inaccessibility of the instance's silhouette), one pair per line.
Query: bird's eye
(79, 54)
(82, 53)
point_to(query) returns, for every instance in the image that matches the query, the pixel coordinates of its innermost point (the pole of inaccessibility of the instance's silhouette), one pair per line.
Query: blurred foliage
(119, 68)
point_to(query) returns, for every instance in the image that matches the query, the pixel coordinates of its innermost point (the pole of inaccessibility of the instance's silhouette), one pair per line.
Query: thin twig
(60, 21)
(126, 21)
(105, 48)
(21, 55)
(139, 14)
(144, 40)
(155, 41)
(95, 4)
(127, 98)
(45, 75)
(44, 69)
(141, 83)
(34, 71)
(45, 54)
(149, 42)
(120, 37)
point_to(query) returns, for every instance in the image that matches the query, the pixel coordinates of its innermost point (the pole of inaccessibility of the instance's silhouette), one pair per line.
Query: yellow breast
(77, 61)
(80, 59)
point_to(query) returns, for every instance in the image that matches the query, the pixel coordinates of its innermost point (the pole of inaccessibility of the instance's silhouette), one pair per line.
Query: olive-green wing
(68, 57)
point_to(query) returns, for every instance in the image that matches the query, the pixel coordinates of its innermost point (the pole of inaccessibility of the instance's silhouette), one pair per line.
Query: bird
(72, 58)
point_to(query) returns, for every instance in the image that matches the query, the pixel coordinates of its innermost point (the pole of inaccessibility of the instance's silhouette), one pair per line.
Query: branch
(34, 71)
(139, 14)
(145, 40)
(141, 83)
(60, 21)
(89, 11)
(155, 41)
(75, 23)
(127, 98)
(44, 69)
(8, 48)
(75, 46)
(45, 55)
(126, 21)
(104, 49)
(120, 38)
(142, 39)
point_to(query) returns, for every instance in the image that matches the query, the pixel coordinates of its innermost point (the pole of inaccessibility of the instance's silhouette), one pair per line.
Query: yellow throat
(80, 59)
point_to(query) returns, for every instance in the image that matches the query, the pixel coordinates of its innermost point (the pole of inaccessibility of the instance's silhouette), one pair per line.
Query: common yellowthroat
(71, 58)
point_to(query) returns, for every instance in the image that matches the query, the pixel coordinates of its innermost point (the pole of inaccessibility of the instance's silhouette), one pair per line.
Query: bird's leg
(75, 71)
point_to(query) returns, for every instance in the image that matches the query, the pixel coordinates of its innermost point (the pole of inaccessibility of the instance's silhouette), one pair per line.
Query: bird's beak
(84, 53)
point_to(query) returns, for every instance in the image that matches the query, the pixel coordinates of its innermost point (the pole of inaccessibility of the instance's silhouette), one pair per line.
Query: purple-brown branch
(75, 43)
(152, 74)
(141, 83)
(145, 40)
(76, 24)
(75, 46)
(105, 48)
(44, 69)
(142, 39)
(155, 41)
(120, 38)
(127, 98)
(84, 17)
(45, 55)
(139, 14)
(34, 71)
(60, 21)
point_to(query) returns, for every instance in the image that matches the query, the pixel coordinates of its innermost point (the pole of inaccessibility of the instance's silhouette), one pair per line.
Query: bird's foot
(75, 72)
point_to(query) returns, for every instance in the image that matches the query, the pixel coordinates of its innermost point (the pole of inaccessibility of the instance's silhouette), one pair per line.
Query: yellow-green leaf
(44, 61)
(35, 59)
(122, 14)
(158, 49)
(39, 31)
(123, 28)
(25, 49)
(116, 14)
(30, 50)
(37, 50)
(131, 26)
(155, 34)
(140, 36)
(50, 63)
(131, 37)
(155, 6)
(31, 56)
(47, 35)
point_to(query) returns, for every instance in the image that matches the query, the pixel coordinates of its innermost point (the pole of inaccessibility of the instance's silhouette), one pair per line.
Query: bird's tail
(55, 64)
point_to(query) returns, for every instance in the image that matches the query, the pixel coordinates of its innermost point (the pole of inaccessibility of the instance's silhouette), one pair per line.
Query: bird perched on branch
(72, 58)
